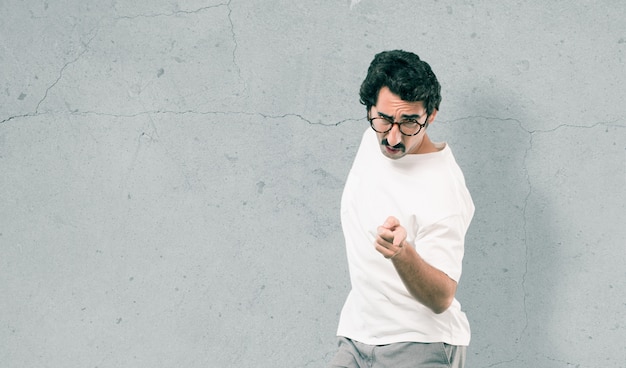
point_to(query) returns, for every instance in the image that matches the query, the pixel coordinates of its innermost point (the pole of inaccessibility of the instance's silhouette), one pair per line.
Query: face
(394, 144)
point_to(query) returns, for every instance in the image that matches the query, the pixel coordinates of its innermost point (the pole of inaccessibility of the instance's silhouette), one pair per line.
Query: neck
(427, 146)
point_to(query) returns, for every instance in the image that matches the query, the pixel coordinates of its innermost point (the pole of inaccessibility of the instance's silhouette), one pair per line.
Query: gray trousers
(353, 354)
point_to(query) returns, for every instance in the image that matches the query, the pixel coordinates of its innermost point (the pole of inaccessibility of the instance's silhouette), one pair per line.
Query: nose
(394, 136)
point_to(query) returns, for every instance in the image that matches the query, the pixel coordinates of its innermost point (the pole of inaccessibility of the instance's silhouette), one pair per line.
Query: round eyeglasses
(407, 127)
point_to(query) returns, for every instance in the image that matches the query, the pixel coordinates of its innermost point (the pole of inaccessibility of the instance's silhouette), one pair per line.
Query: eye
(384, 120)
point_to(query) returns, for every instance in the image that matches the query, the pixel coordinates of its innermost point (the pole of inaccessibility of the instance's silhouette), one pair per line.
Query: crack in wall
(525, 209)
(614, 122)
(14, 117)
(503, 362)
(57, 80)
(232, 31)
(236, 45)
(173, 13)
(245, 113)
(576, 365)
(78, 57)
(95, 33)
(178, 12)
(525, 229)
(525, 215)
(184, 112)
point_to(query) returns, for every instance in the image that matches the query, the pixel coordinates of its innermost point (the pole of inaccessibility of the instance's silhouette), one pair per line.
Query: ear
(432, 116)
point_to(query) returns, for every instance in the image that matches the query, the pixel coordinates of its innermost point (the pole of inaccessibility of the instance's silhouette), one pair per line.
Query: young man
(404, 211)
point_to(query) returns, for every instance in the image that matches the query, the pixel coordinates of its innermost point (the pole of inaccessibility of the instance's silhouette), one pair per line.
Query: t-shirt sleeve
(442, 245)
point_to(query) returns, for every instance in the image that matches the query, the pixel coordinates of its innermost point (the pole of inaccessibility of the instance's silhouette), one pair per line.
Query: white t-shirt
(427, 193)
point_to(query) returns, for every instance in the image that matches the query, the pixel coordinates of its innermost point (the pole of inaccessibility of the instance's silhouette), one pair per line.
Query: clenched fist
(391, 238)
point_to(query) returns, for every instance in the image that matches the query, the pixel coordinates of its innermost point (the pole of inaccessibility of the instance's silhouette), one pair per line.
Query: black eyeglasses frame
(423, 125)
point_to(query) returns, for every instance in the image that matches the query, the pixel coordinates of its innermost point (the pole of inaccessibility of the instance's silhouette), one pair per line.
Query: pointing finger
(391, 223)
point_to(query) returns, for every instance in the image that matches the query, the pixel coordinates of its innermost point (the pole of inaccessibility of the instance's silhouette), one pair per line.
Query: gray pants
(353, 354)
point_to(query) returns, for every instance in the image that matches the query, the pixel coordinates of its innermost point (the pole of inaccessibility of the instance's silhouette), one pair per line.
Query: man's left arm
(429, 285)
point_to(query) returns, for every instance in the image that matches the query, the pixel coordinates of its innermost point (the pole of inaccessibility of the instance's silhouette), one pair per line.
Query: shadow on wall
(492, 149)
(575, 215)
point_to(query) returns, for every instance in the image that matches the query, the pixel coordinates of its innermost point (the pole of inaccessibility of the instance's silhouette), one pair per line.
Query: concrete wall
(171, 174)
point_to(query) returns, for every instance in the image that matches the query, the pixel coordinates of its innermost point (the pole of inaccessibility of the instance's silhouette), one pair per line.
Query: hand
(391, 238)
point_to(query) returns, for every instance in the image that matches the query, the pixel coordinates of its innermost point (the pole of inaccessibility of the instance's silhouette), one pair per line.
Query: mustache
(398, 146)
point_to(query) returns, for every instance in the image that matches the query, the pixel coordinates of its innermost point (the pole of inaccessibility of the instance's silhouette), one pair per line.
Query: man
(404, 212)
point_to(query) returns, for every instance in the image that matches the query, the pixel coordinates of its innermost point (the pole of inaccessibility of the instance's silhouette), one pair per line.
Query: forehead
(391, 104)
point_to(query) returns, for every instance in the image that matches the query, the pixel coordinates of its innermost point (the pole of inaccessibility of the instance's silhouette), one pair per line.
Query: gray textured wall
(171, 174)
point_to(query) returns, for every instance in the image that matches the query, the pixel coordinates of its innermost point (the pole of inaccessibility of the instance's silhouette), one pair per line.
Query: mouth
(393, 150)
(398, 148)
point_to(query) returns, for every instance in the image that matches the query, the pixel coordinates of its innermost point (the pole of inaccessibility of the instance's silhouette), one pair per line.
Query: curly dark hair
(406, 75)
